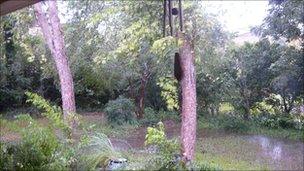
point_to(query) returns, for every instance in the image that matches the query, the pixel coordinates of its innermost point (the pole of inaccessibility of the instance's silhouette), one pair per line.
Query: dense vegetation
(123, 66)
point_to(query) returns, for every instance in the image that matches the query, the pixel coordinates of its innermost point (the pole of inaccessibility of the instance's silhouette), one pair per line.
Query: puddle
(282, 154)
(270, 153)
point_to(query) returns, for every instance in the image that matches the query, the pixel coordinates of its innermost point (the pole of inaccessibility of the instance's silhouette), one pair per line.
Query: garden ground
(253, 149)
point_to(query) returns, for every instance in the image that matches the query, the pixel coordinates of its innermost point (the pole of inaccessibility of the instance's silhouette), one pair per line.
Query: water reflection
(281, 153)
(269, 147)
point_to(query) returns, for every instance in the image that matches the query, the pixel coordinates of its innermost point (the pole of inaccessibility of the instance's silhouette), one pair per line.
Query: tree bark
(188, 106)
(52, 32)
(142, 91)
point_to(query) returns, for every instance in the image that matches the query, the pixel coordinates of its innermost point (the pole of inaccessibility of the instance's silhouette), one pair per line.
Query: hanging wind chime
(172, 11)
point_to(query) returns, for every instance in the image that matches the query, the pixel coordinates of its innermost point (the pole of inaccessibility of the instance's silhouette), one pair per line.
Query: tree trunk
(52, 32)
(245, 100)
(212, 109)
(131, 90)
(188, 106)
(142, 92)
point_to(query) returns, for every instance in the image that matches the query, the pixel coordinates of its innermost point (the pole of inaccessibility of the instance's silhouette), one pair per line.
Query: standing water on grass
(281, 154)
(235, 151)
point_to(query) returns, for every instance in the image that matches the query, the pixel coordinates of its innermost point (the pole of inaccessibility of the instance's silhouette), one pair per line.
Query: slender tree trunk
(212, 108)
(245, 100)
(141, 101)
(131, 89)
(142, 92)
(188, 107)
(52, 32)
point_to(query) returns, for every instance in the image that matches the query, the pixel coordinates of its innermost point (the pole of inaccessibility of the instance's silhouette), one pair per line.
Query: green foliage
(53, 113)
(39, 149)
(6, 157)
(41, 139)
(261, 108)
(164, 46)
(151, 117)
(96, 153)
(226, 108)
(169, 92)
(227, 123)
(235, 124)
(120, 111)
(171, 115)
(276, 121)
(167, 148)
(283, 20)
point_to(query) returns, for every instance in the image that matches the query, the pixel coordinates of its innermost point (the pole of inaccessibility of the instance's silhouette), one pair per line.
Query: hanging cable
(180, 15)
(164, 18)
(170, 17)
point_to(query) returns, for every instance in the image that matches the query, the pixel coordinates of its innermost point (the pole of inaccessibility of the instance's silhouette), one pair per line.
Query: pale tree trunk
(188, 104)
(52, 32)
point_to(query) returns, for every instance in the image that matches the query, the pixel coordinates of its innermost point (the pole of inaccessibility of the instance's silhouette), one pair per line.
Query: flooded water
(281, 154)
(258, 150)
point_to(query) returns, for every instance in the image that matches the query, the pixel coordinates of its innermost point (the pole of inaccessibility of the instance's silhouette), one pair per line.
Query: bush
(276, 121)
(228, 123)
(40, 148)
(150, 117)
(120, 111)
(173, 115)
(235, 124)
(168, 149)
(36, 151)
(6, 157)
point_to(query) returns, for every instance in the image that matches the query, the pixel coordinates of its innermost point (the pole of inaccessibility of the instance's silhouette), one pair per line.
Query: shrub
(174, 115)
(168, 149)
(286, 122)
(52, 113)
(36, 151)
(234, 124)
(40, 148)
(150, 117)
(120, 111)
(276, 121)
(6, 157)
(298, 123)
